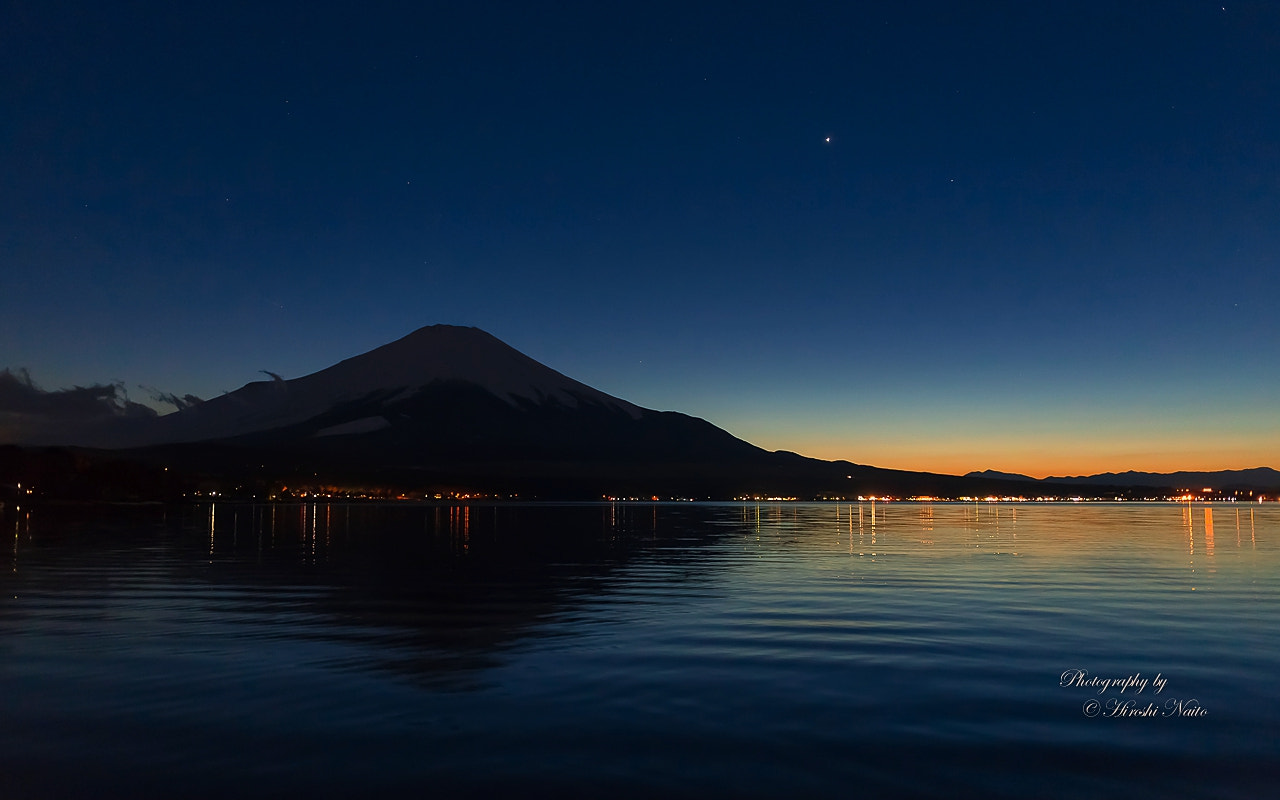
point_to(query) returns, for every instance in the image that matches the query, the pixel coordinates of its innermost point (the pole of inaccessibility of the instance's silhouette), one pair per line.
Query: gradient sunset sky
(1032, 237)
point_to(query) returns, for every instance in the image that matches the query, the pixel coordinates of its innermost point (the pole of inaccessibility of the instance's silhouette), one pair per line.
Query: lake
(641, 649)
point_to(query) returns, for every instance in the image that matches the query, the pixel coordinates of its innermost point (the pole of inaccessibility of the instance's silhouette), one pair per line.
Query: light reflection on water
(742, 649)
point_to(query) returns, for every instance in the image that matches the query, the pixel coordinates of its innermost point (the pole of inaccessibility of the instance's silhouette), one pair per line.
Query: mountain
(448, 404)
(1257, 478)
(383, 388)
(1003, 476)
(454, 406)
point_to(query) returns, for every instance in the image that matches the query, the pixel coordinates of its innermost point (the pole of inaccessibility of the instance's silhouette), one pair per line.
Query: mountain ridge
(1185, 479)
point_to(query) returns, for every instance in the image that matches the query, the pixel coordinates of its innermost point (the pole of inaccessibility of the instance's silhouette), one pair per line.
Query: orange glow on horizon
(917, 458)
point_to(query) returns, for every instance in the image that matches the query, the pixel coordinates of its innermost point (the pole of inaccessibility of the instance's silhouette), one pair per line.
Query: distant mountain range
(1258, 477)
(451, 406)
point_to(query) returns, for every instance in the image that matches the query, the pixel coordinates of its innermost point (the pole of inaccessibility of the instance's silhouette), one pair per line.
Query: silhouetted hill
(1001, 476)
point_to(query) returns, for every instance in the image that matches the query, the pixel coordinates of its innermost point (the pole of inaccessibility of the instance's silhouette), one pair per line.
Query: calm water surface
(641, 649)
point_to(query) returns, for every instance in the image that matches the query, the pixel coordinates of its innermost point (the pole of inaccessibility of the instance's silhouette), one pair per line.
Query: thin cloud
(180, 402)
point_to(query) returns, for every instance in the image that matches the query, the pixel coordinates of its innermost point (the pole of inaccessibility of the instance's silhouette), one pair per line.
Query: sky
(1032, 237)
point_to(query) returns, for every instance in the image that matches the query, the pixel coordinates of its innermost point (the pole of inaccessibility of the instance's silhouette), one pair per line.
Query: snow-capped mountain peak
(434, 355)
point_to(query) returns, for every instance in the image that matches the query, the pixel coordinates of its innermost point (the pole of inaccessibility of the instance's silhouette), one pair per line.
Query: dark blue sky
(1042, 237)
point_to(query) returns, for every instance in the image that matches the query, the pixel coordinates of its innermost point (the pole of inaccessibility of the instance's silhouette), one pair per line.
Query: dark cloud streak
(21, 395)
(95, 415)
(180, 402)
